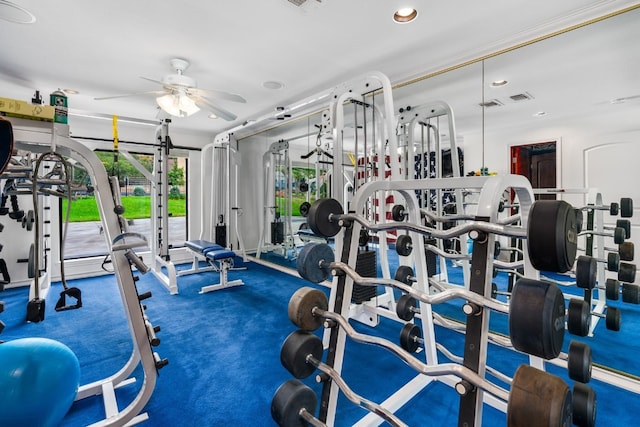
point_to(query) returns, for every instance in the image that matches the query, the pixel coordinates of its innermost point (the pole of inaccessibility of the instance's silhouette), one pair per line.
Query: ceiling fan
(180, 96)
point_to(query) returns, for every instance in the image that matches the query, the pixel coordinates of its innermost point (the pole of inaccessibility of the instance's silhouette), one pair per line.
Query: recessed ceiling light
(212, 116)
(404, 15)
(13, 13)
(273, 85)
(498, 83)
(540, 114)
(70, 91)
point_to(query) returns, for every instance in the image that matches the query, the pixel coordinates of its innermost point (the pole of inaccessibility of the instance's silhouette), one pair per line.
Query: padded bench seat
(202, 246)
(214, 254)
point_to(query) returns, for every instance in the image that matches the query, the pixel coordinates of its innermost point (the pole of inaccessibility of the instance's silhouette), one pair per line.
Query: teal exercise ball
(39, 379)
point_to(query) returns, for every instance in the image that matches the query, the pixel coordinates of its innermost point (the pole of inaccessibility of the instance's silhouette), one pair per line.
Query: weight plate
(363, 237)
(290, 398)
(612, 289)
(6, 143)
(619, 236)
(319, 218)
(408, 336)
(312, 261)
(30, 220)
(578, 317)
(579, 220)
(304, 187)
(301, 306)
(626, 207)
(552, 235)
(614, 208)
(625, 224)
(538, 399)
(404, 245)
(613, 318)
(31, 264)
(584, 405)
(295, 349)
(579, 362)
(397, 213)
(404, 273)
(405, 306)
(626, 251)
(496, 249)
(627, 272)
(304, 208)
(613, 261)
(536, 318)
(586, 272)
(631, 293)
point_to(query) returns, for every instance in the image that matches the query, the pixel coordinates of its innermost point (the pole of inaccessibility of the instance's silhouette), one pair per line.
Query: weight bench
(218, 258)
(307, 235)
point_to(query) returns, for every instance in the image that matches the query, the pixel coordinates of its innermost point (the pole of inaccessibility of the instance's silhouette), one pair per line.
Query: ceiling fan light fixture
(178, 104)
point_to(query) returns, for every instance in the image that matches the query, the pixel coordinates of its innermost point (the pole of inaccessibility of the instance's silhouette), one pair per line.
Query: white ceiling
(103, 48)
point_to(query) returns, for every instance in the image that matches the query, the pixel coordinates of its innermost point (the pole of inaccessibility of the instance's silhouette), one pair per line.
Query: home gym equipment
(218, 259)
(545, 323)
(40, 379)
(35, 136)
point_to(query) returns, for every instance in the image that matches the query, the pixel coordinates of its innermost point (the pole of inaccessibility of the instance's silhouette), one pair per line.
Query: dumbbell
(619, 235)
(404, 245)
(550, 235)
(584, 405)
(301, 355)
(587, 270)
(630, 292)
(624, 208)
(15, 213)
(579, 317)
(579, 361)
(625, 250)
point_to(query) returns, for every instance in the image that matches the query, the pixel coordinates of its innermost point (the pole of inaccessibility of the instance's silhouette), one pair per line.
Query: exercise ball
(39, 379)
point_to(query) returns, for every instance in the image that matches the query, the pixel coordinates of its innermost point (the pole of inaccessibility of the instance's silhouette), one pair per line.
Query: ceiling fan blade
(153, 92)
(218, 94)
(152, 80)
(218, 111)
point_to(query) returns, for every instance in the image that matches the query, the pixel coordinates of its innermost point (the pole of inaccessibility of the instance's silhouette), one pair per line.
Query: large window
(85, 238)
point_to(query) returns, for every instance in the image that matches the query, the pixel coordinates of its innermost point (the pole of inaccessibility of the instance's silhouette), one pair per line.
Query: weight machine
(40, 137)
(276, 228)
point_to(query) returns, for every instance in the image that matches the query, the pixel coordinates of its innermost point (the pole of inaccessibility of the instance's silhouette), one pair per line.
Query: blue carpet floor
(223, 350)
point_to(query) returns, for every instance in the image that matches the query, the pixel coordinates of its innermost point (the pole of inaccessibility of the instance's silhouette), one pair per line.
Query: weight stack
(221, 235)
(366, 266)
(432, 258)
(277, 233)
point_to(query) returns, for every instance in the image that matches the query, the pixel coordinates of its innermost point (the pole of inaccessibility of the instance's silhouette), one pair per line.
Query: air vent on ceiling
(524, 96)
(491, 103)
(302, 2)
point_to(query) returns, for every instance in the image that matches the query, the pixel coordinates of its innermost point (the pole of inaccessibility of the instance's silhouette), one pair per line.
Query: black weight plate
(584, 405)
(496, 249)
(408, 337)
(405, 306)
(614, 208)
(612, 289)
(363, 237)
(631, 293)
(580, 361)
(626, 207)
(552, 235)
(536, 318)
(626, 251)
(404, 245)
(578, 317)
(619, 236)
(319, 217)
(538, 399)
(626, 225)
(290, 398)
(613, 261)
(312, 260)
(30, 220)
(6, 143)
(627, 272)
(31, 264)
(404, 274)
(579, 220)
(304, 187)
(397, 213)
(613, 318)
(295, 349)
(301, 305)
(586, 272)
(304, 208)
